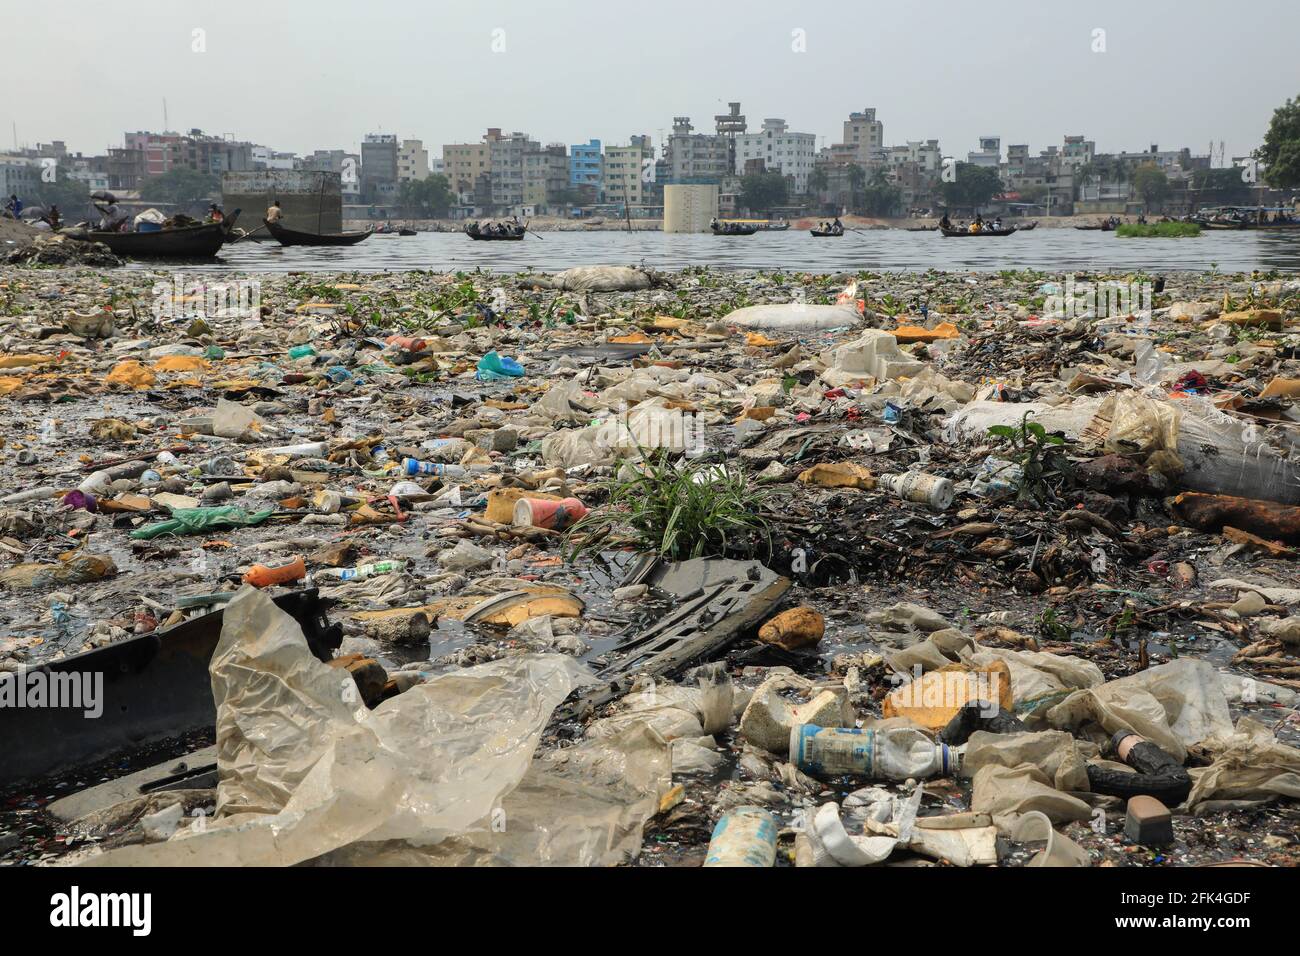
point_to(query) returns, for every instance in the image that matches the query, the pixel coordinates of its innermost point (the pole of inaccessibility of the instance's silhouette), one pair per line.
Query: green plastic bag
(199, 520)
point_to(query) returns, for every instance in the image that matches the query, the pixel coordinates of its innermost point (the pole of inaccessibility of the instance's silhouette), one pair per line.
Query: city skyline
(1036, 75)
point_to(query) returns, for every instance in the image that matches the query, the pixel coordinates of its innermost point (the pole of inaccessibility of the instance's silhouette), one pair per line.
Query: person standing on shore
(13, 206)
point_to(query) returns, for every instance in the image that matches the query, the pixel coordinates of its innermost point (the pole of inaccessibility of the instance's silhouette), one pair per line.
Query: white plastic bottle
(930, 490)
(897, 753)
(745, 836)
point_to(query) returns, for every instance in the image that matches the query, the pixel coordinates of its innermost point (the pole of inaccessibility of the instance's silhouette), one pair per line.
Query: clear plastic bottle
(413, 466)
(362, 571)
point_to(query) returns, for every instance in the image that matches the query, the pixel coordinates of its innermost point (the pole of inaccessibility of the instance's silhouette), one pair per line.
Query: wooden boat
(921, 228)
(733, 230)
(201, 241)
(406, 232)
(513, 233)
(1027, 226)
(955, 233)
(291, 237)
(825, 233)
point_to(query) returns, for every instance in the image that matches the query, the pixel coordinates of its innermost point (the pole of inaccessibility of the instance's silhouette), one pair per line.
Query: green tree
(181, 186)
(1151, 183)
(72, 196)
(857, 184)
(817, 179)
(759, 192)
(428, 198)
(1225, 184)
(973, 187)
(1280, 153)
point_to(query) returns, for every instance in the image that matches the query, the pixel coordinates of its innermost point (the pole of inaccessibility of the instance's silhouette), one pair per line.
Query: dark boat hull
(823, 235)
(959, 233)
(190, 242)
(514, 235)
(291, 237)
(746, 231)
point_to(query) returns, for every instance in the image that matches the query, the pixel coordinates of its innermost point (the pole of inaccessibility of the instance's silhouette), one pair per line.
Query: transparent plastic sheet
(305, 769)
(1249, 764)
(1139, 423)
(584, 805)
(1217, 452)
(1007, 792)
(1053, 752)
(1174, 706)
(1038, 677)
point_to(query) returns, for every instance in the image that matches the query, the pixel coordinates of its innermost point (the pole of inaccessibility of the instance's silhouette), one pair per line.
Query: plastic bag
(1174, 706)
(795, 317)
(493, 367)
(1249, 764)
(306, 769)
(199, 520)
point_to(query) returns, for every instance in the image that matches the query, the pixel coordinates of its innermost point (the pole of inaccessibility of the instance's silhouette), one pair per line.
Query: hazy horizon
(299, 76)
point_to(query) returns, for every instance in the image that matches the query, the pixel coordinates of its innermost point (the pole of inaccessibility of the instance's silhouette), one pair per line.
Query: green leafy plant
(679, 511)
(1041, 458)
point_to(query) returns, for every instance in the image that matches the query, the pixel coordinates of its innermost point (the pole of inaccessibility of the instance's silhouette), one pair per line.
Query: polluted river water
(1047, 249)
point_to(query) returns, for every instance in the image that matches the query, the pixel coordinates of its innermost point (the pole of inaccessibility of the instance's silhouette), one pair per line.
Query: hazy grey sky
(306, 74)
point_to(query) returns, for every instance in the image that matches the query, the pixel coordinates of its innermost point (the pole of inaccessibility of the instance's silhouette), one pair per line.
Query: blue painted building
(584, 164)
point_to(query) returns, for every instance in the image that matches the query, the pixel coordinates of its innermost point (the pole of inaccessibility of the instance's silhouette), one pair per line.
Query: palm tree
(857, 181)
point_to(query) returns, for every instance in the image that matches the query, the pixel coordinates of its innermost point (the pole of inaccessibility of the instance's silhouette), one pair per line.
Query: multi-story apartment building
(19, 175)
(466, 163)
(546, 175)
(194, 150)
(696, 157)
(923, 154)
(584, 164)
(412, 161)
(780, 149)
(266, 158)
(989, 153)
(1078, 151)
(864, 139)
(622, 171)
(379, 168)
(347, 165)
(507, 157)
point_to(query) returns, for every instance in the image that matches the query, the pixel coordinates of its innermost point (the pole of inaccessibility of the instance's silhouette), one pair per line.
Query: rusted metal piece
(147, 689)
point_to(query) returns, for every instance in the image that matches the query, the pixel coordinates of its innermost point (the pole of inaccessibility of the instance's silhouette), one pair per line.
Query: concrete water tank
(311, 201)
(689, 208)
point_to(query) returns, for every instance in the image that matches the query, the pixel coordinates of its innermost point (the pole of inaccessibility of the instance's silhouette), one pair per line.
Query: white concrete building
(989, 153)
(781, 149)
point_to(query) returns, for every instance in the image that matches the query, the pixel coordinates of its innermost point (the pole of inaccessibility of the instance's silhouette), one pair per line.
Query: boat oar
(247, 234)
